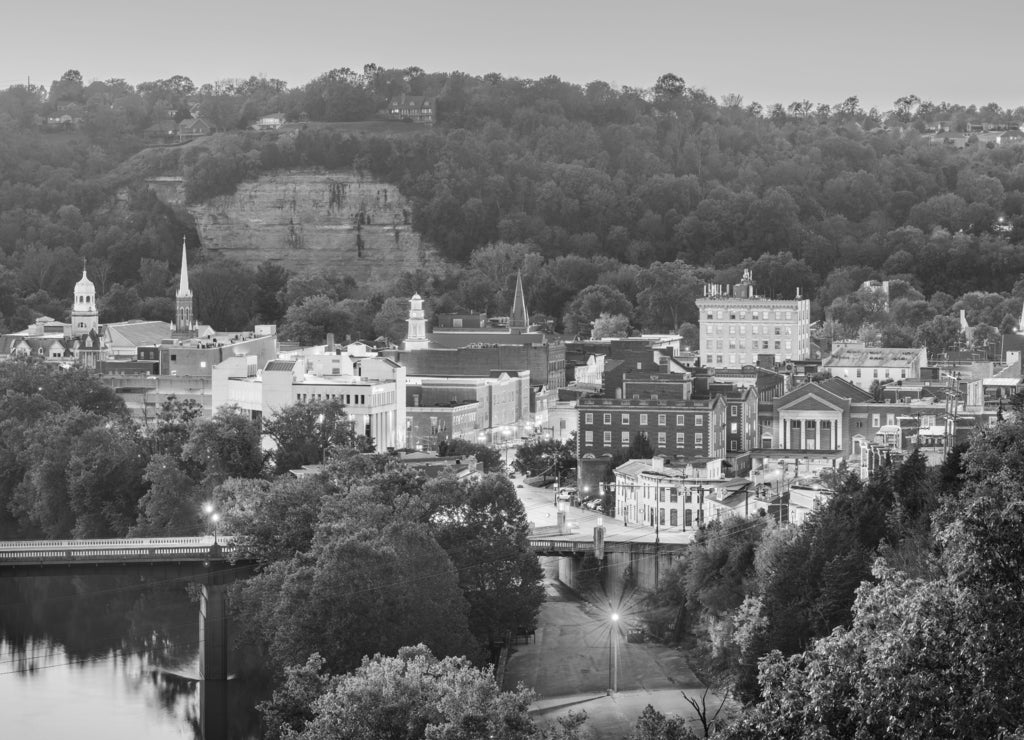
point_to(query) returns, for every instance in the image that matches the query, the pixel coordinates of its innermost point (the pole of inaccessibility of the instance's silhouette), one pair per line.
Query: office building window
(625, 438)
(698, 439)
(673, 495)
(673, 518)
(732, 410)
(662, 438)
(680, 420)
(698, 420)
(662, 420)
(876, 420)
(680, 439)
(607, 418)
(643, 420)
(607, 438)
(588, 437)
(588, 418)
(625, 419)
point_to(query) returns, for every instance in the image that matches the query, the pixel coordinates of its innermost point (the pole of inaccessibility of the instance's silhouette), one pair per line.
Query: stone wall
(307, 220)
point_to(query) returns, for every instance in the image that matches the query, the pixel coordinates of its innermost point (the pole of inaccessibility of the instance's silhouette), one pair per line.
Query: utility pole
(656, 515)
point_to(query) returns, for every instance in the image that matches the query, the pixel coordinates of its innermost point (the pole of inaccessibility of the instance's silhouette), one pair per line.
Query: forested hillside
(618, 201)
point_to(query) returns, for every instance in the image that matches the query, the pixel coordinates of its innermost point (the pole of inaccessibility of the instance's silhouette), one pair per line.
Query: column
(213, 627)
(817, 434)
(803, 435)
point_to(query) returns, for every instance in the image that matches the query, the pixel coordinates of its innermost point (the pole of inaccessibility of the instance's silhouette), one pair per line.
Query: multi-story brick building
(677, 428)
(736, 326)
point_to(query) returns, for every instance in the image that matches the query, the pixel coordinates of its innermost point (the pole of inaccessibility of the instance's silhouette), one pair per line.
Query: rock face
(307, 220)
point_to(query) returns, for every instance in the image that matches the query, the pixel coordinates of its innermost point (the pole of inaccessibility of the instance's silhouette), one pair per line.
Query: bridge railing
(117, 542)
(136, 549)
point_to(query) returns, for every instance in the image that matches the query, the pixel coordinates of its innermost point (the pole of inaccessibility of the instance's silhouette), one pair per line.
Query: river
(113, 657)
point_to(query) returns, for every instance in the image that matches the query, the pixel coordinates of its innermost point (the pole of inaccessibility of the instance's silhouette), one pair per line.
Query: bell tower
(416, 337)
(85, 317)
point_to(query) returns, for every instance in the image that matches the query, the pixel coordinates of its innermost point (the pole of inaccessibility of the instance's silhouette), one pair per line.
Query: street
(569, 664)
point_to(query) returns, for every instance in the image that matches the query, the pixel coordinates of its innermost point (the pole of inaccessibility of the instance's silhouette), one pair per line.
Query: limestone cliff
(316, 220)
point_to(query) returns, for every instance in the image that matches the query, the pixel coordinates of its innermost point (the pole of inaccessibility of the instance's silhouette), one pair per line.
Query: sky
(770, 51)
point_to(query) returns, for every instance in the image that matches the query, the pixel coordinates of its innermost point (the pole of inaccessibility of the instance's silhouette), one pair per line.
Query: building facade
(736, 326)
(689, 429)
(864, 366)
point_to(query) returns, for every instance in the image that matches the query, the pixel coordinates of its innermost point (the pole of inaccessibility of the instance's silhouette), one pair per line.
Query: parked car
(594, 504)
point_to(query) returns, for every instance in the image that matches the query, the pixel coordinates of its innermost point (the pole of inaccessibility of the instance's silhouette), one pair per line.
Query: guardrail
(124, 550)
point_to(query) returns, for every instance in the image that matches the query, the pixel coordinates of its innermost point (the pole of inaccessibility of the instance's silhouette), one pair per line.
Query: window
(673, 495)
(606, 438)
(174, 358)
(662, 438)
(662, 420)
(625, 419)
(680, 420)
(732, 445)
(753, 329)
(698, 439)
(777, 331)
(733, 410)
(734, 428)
(698, 420)
(588, 437)
(643, 420)
(858, 372)
(673, 518)
(588, 418)
(680, 439)
(607, 418)
(876, 420)
(624, 439)
(661, 516)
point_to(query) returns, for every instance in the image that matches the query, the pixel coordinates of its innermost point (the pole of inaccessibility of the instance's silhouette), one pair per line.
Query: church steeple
(184, 321)
(519, 321)
(84, 315)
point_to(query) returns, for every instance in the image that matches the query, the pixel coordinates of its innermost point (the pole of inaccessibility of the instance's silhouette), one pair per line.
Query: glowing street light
(211, 512)
(613, 658)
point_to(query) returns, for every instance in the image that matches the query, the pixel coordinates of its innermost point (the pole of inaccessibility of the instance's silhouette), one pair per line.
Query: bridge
(204, 554)
(212, 562)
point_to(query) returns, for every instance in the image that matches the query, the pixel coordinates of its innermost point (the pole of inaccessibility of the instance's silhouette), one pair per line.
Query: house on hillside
(193, 128)
(269, 122)
(415, 108)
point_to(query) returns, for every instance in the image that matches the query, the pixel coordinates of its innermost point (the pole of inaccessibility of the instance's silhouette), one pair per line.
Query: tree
(412, 695)
(610, 326)
(488, 457)
(666, 295)
(358, 590)
(224, 446)
(391, 320)
(305, 432)
(590, 303)
(482, 526)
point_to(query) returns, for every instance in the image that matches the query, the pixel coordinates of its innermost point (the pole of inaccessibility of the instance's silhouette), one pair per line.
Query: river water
(113, 657)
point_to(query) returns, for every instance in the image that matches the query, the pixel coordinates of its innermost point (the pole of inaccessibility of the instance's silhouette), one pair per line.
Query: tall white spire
(184, 319)
(183, 289)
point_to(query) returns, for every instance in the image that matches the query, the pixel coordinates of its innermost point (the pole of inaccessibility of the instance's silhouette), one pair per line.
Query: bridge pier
(213, 633)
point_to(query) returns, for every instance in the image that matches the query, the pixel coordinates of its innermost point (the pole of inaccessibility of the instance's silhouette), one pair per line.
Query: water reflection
(113, 657)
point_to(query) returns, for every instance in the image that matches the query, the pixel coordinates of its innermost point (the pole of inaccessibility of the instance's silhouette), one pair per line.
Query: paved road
(568, 667)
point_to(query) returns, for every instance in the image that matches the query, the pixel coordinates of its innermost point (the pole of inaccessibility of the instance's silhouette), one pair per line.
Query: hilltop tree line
(590, 185)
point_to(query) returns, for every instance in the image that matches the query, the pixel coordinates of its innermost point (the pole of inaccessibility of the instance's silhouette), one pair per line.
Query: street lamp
(613, 654)
(211, 512)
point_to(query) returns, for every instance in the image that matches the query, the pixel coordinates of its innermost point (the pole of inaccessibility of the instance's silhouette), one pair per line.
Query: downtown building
(737, 327)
